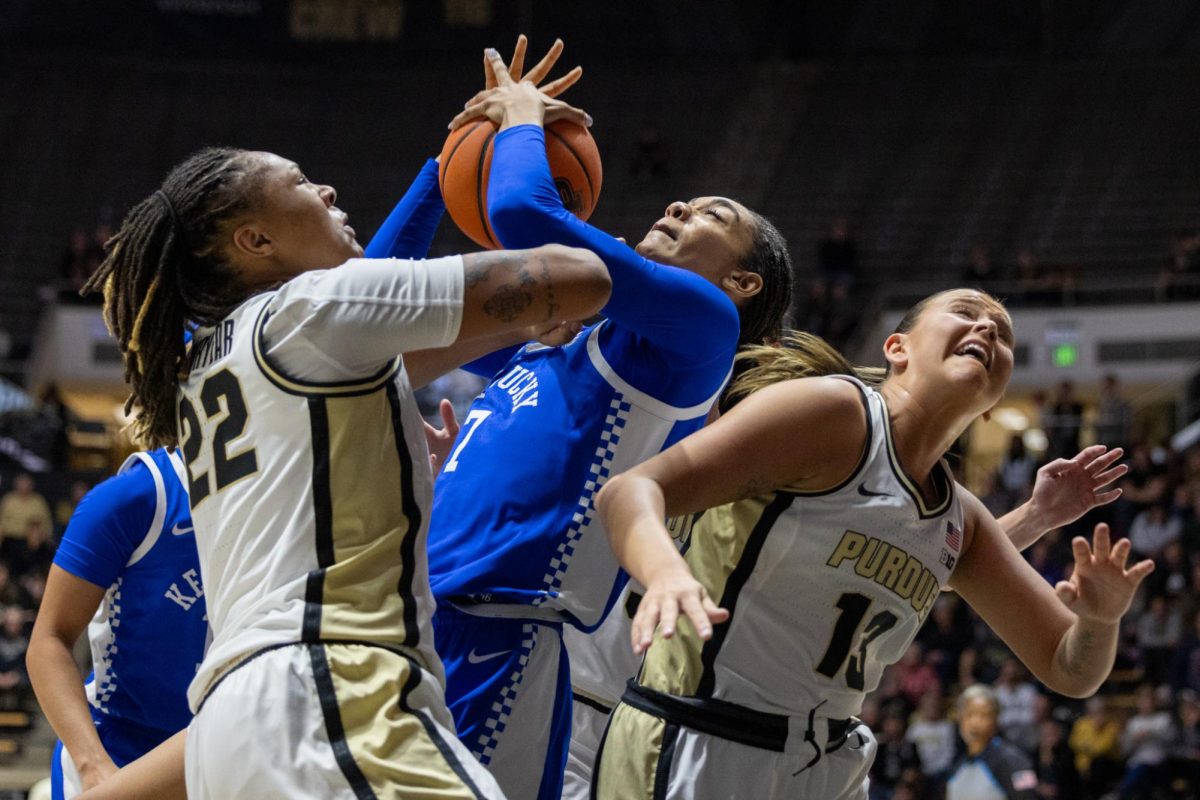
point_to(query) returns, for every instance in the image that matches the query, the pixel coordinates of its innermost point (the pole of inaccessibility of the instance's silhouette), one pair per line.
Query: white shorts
(588, 720)
(644, 757)
(335, 721)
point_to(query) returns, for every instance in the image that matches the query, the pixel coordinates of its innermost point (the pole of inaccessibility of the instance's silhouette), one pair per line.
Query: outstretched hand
(1101, 588)
(661, 605)
(1066, 489)
(441, 441)
(511, 102)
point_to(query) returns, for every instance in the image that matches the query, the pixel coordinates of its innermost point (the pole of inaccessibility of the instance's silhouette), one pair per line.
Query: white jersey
(307, 463)
(824, 589)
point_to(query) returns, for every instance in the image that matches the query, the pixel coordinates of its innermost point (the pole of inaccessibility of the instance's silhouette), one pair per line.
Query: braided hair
(763, 315)
(165, 270)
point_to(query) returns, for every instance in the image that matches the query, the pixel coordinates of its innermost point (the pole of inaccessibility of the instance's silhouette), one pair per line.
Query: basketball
(466, 162)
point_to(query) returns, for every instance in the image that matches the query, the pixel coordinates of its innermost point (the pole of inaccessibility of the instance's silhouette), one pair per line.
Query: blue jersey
(132, 535)
(513, 523)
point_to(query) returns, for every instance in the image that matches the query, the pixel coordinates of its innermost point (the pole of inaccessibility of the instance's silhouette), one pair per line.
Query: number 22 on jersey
(222, 402)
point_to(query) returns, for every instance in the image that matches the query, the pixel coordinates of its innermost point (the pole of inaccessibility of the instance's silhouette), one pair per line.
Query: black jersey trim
(304, 388)
(322, 502)
(591, 702)
(666, 756)
(414, 680)
(733, 588)
(942, 483)
(327, 695)
(413, 517)
(863, 457)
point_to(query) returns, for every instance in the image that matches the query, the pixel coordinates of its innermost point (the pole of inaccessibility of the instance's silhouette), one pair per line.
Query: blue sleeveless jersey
(132, 534)
(513, 519)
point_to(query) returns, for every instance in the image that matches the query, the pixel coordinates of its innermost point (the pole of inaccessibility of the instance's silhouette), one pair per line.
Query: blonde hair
(798, 355)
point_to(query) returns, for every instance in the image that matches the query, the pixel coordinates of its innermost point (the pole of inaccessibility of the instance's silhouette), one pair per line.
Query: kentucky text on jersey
(521, 385)
(191, 581)
(217, 344)
(890, 567)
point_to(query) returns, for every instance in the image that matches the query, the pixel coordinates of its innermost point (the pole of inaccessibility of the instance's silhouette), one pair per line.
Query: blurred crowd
(1139, 737)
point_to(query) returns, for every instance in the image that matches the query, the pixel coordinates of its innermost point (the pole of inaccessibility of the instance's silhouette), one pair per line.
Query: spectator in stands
(1187, 658)
(1017, 471)
(946, 636)
(1017, 698)
(55, 409)
(1063, 422)
(1183, 763)
(1033, 281)
(1146, 741)
(1095, 741)
(980, 272)
(1045, 560)
(65, 507)
(1054, 763)
(896, 758)
(1114, 415)
(915, 677)
(1146, 481)
(1178, 278)
(837, 256)
(1159, 630)
(990, 762)
(12, 593)
(935, 738)
(35, 553)
(14, 680)
(1153, 529)
(17, 508)
(81, 258)
(1171, 573)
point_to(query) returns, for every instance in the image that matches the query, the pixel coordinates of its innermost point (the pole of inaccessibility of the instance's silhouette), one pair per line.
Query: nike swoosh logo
(865, 492)
(474, 659)
(180, 530)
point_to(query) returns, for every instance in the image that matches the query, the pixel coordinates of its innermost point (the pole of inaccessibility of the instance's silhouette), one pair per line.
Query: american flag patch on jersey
(953, 537)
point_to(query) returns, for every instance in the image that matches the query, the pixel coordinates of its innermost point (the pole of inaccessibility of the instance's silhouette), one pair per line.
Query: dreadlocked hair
(165, 269)
(799, 355)
(763, 315)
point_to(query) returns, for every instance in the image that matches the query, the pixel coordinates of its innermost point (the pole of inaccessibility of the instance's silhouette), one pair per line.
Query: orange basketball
(467, 160)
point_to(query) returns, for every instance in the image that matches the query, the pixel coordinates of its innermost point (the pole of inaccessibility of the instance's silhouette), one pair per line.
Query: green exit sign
(1065, 355)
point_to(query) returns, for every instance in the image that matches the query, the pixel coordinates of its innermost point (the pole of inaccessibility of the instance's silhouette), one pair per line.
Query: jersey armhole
(305, 388)
(658, 408)
(160, 506)
(863, 456)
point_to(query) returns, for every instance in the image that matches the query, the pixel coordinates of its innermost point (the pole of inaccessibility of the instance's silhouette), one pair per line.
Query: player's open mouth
(665, 230)
(976, 351)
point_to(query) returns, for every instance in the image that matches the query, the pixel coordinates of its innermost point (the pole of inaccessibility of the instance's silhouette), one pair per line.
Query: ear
(252, 240)
(742, 284)
(895, 350)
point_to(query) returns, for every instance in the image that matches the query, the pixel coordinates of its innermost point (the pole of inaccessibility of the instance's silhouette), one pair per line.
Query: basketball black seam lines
(587, 175)
(480, 200)
(446, 166)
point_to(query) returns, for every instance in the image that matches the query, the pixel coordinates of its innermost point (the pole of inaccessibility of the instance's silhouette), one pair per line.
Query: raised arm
(408, 231)
(1066, 635)
(1064, 491)
(657, 301)
(792, 434)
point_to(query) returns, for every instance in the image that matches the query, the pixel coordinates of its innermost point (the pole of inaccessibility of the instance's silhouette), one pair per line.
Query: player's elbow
(577, 278)
(516, 219)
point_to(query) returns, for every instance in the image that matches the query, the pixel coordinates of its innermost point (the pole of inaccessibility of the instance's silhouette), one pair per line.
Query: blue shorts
(508, 685)
(123, 741)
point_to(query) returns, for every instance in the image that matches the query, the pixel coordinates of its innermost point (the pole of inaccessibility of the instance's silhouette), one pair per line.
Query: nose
(679, 209)
(328, 194)
(988, 327)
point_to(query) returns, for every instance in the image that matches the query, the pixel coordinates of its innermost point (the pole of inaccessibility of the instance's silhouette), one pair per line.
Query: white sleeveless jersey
(311, 498)
(825, 589)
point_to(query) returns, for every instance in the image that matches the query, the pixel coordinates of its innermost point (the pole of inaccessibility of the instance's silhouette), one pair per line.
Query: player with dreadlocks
(307, 465)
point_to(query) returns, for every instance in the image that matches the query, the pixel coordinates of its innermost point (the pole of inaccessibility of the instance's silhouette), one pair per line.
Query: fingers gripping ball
(466, 163)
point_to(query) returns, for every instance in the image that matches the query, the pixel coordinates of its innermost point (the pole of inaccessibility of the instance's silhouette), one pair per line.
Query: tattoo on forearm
(514, 293)
(754, 487)
(548, 279)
